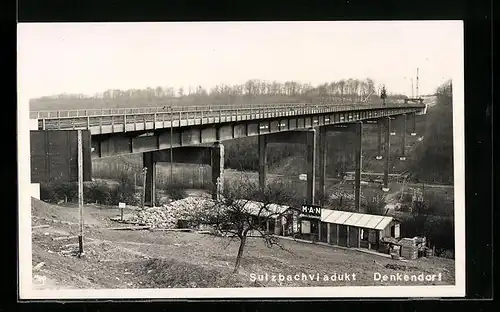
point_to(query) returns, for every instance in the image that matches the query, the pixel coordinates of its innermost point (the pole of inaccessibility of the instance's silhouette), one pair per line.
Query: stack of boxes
(395, 252)
(409, 248)
(420, 246)
(428, 252)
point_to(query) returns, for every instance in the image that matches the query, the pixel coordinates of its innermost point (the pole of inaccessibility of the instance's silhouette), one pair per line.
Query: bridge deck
(139, 119)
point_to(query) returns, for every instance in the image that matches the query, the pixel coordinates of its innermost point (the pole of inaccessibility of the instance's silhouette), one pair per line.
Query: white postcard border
(457, 290)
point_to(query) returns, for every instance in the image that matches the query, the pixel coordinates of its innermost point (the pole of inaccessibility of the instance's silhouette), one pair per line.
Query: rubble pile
(169, 215)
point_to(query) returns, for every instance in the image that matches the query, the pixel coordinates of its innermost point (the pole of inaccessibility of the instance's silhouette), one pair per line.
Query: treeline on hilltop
(434, 157)
(252, 91)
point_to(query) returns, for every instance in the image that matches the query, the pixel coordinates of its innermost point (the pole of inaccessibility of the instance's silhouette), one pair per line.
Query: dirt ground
(161, 259)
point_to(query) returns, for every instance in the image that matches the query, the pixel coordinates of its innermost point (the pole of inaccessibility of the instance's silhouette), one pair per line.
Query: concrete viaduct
(188, 134)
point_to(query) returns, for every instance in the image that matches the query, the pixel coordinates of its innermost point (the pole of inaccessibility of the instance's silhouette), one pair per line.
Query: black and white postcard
(241, 160)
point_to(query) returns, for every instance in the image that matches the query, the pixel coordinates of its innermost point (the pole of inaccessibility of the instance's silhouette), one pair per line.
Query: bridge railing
(147, 110)
(180, 116)
(191, 108)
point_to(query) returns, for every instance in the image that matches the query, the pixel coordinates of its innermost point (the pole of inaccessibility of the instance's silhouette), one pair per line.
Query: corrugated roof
(328, 215)
(362, 220)
(343, 217)
(353, 219)
(383, 224)
(373, 222)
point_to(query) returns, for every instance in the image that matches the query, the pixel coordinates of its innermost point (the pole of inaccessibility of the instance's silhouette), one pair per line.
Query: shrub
(124, 192)
(48, 193)
(56, 191)
(97, 192)
(376, 208)
(407, 198)
(176, 192)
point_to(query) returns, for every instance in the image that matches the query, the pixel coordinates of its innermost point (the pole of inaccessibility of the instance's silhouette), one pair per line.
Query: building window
(365, 234)
(393, 231)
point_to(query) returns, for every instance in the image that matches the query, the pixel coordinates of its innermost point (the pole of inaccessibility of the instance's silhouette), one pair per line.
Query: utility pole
(417, 82)
(80, 192)
(402, 190)
(412, 94)
(171, 145)
(383, 94)
(135, 182)
(144, 173)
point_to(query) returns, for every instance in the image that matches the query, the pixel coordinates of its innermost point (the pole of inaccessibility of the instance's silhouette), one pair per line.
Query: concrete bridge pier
(262, 161)
(150, 188)
(379, 140)
(217, 164)
(413, 123)
(357, 161)
(311, 165)
(387, 147)
(322, 162)
(403, 137)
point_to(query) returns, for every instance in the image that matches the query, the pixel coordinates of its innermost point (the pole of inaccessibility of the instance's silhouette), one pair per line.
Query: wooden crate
(408, 242)
(409, 256)
(428, 252)
(409, 252)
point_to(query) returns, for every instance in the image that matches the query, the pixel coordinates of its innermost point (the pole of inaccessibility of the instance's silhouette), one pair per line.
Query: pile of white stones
(168, 215)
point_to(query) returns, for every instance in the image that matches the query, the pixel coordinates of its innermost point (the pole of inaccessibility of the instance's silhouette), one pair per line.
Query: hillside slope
(156, 259)
(434, 157)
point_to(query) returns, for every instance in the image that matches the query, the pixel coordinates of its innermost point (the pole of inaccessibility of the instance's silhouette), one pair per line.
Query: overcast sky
(88, 58)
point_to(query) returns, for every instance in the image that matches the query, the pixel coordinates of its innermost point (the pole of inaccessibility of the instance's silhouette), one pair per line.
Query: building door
(333, 234)
(364, 238)
(314, 230)
(373, 239)
(342, 235)
(353, 236)
(277, 228)
(324, 232)
(272, 225)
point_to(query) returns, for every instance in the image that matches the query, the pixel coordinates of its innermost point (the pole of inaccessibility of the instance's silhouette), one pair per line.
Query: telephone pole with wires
(383, 94)
(417, 82)
(144, 174)
(412, 95)
(171, 145)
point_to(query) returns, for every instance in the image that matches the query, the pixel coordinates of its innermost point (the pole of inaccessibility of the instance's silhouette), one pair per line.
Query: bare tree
(245, 210)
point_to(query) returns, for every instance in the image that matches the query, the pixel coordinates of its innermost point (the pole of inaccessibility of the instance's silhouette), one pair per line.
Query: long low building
(342, 228)
(350, 229)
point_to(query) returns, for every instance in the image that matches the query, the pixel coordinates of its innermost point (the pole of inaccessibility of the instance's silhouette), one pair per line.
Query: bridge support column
(262, 161)
(311, 165)
(387, 147)
(403, 138)
(379, 140)
(150, 187)
(322, 163)
(413, 130)
(217, 163)
(357, 162)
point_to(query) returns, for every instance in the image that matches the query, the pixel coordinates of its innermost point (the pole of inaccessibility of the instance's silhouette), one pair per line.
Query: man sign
(311, 211)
